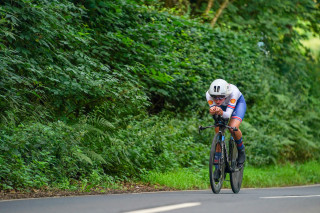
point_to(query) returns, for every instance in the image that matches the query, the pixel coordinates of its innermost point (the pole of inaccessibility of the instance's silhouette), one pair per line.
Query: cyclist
(226, 100)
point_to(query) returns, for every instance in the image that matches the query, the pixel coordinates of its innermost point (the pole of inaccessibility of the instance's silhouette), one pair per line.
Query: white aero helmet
(220, 87)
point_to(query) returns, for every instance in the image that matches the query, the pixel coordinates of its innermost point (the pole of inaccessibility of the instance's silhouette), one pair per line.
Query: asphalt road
(291, 199)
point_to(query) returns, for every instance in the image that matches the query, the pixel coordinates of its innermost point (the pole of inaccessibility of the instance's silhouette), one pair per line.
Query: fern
(100, 123)
(96, 157)
(82, 157)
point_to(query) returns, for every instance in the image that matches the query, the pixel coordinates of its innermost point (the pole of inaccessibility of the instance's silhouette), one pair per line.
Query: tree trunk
(170, 3)
(183, 5)
(210, 4)
(198, 3)
(219, 12)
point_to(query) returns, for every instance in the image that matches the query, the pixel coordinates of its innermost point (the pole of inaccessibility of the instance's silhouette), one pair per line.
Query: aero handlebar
(219, 122)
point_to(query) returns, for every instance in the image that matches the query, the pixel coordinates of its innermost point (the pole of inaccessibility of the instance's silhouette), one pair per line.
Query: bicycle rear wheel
(237, 174)
(216, 184)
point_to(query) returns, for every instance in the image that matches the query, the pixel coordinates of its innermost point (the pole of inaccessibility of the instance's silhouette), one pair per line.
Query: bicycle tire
(237, 175)
(216, 185)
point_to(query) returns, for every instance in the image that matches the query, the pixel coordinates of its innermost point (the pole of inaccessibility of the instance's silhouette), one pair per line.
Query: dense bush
(96, 88)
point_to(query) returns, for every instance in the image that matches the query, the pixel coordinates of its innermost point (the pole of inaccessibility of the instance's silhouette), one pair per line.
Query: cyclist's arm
(230, 107)
(233, 98)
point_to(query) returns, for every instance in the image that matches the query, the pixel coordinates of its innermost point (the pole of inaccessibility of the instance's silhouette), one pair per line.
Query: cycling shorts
(240, 109)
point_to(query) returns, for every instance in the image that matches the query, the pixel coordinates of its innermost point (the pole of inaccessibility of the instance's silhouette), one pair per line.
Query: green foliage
(51, 57)
(36, 154)
(94, 90)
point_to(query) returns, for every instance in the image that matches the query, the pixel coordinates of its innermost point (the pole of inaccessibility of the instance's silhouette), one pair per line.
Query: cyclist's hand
(216, 111)
(212, 110)
(219, 111)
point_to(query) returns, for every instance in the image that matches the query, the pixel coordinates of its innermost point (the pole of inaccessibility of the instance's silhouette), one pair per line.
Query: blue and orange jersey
(230, 102)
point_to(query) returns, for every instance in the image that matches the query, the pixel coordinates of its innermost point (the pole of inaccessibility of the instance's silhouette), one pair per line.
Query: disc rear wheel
(237, 175)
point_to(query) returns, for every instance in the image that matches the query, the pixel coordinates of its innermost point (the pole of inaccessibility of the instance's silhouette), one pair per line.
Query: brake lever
(200, 128)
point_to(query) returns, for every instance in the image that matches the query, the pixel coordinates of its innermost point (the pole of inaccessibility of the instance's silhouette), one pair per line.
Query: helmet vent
(216, 88)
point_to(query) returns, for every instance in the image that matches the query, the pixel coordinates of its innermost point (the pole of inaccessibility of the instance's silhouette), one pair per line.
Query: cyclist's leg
(217, 155)
(238, 139)
(235, 121)
(218, 148)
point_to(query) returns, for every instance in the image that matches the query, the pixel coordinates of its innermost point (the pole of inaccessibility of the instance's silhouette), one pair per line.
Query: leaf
(82, 157)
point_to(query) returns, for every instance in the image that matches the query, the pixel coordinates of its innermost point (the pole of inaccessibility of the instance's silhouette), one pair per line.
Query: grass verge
(180, 179)
(270, 176)
(284, 175)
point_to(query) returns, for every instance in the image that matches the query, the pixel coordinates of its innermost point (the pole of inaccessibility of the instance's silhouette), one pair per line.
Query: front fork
(226, 157)
(222, 150)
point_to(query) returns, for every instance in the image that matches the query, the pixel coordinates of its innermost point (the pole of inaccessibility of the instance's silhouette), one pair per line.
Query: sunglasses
(215, 97)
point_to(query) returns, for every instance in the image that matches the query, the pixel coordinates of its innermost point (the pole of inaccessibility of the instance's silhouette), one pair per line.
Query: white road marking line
(166, 208)
(291, 196)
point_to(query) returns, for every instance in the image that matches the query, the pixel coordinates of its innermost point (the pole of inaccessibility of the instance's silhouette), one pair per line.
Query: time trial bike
(226, 162)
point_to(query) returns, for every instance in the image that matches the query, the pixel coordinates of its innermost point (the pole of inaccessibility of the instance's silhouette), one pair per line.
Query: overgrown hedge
(96, 89)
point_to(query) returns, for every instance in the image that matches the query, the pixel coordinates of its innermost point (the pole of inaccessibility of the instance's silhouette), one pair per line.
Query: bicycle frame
(222, 124)
(227, 162)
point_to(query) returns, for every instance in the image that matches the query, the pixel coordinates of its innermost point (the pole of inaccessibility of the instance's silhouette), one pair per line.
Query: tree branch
(219, 12)
(209, 6)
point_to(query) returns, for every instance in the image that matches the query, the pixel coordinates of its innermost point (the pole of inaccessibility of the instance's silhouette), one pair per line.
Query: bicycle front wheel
(216, 165)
